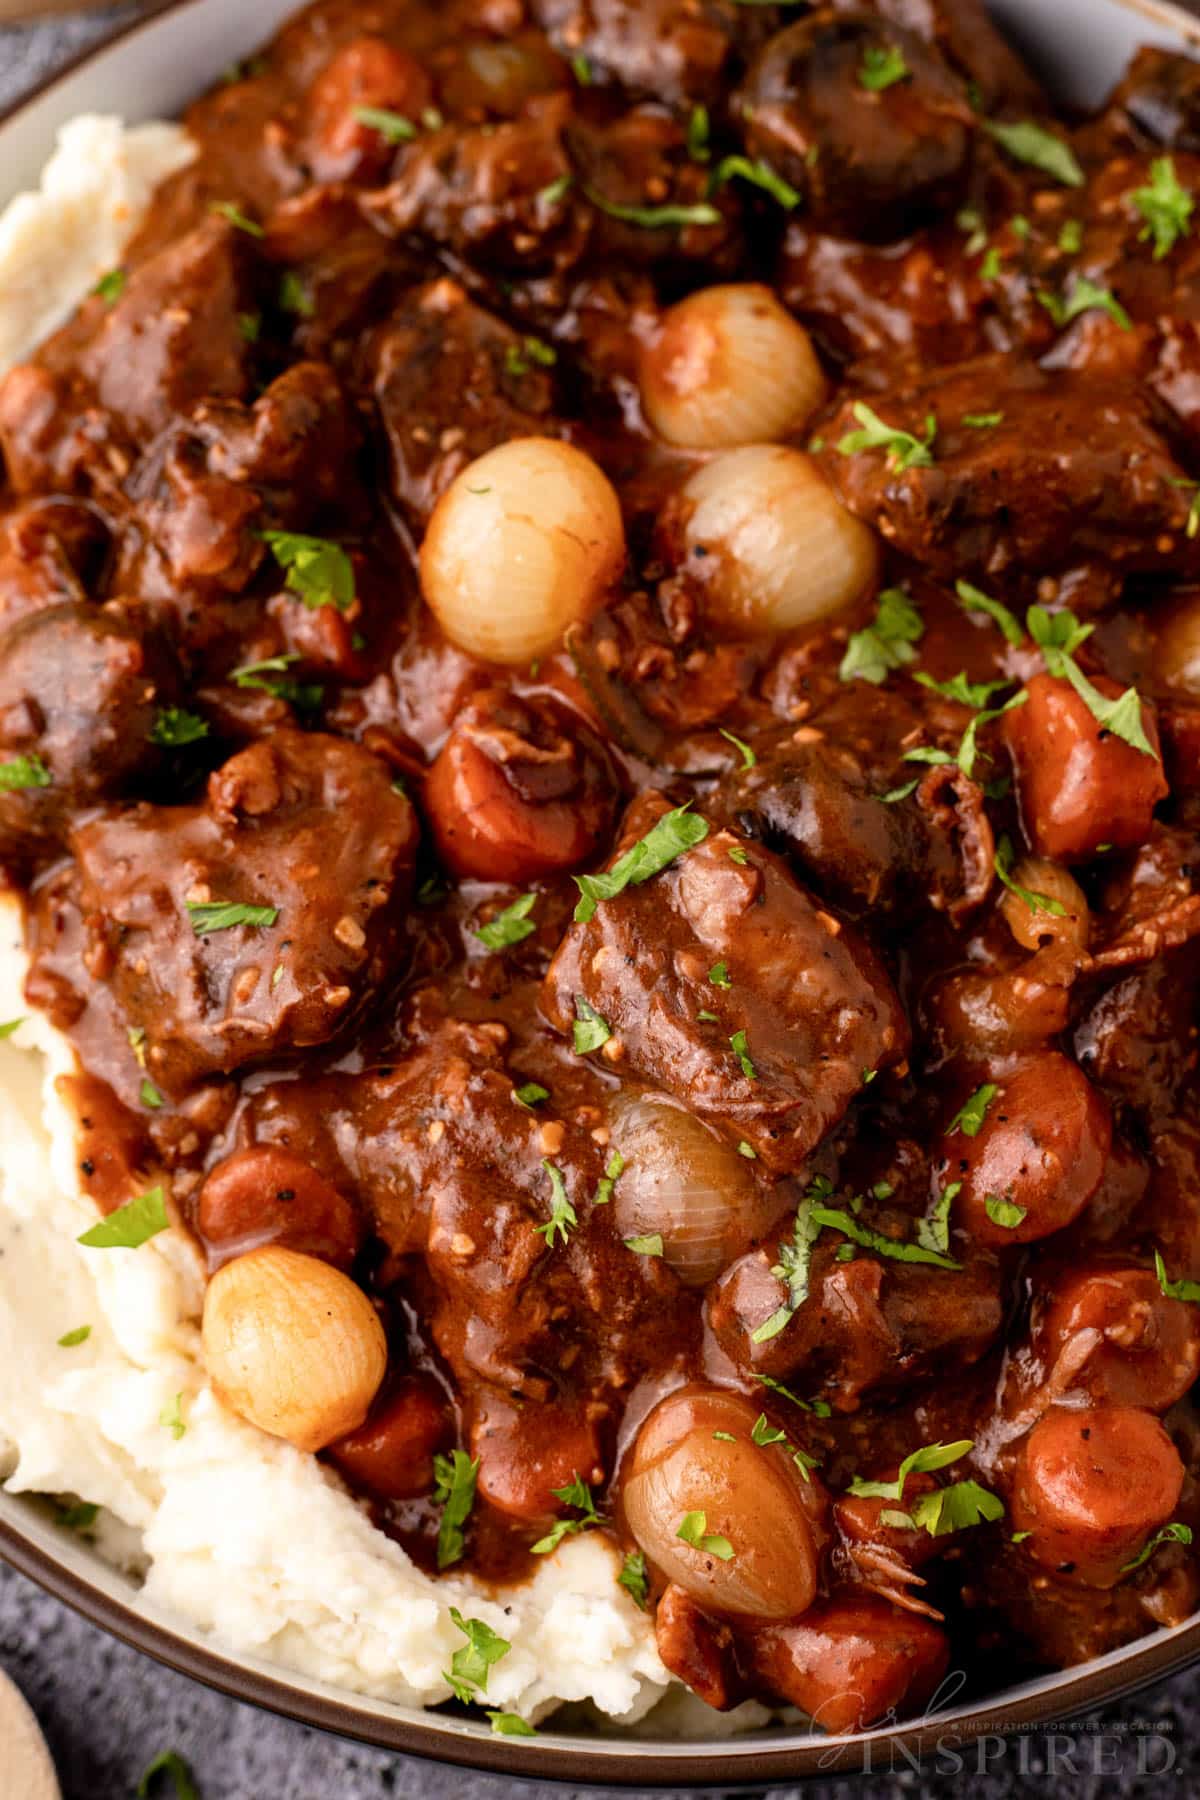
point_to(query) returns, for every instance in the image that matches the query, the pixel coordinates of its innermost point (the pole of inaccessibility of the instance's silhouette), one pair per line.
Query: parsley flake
(719, 975)
(468, 1672)
(933, 1231)
(173, 727)
(737, 1044)
(1004, 1212)
(23, 772)
(1027, 143)
(510, 1724)
(70, 1339)
(591, 1029)
(649, 1245)
(392, 127)
(170, 1764)
(746, 753)
(614, 1167)
(757, 174)
(882, 66)
(512, 926)
(795, 1261)
(974, 600)
(130, 1225)
(676, 832)
(1174, 1533)
(563, 1217)
(149, 1095)
(576, 1494)
(1166, 206)
(531, 1094)
(904, 451)
(971, 1114)
(1083, 296)
(924, 1461)
(229, 210)
(208, 916)
(655, 218)
(1183, 1289)
(171, 1417)
(693, 1529)
(454, 1491)
(1003, 862)
(319, 572)
(887, 643)
(110, 287)
(633, 1579)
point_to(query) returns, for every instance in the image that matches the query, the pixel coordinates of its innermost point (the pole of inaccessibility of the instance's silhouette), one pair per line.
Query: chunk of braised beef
(81, 688)
(209, 487)
(870, 164)
(439, 357)
(50, 553)
(491, 194)
(699, 1649)
(1158, 101)
(679, 51)
(816, 796)
(308, 829)
(1072, 470)
(1135, 1039)
(810, 1006)
(118, 374)
(868, 1326)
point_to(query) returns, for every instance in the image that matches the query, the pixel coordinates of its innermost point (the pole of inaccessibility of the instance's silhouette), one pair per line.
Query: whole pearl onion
(772, 545)
(753, 1495)
(684, 1182)
(524, 543)
(292, 1345)
(730, 366)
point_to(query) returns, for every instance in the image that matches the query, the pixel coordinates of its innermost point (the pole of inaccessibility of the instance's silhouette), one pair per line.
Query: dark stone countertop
(107, 1711)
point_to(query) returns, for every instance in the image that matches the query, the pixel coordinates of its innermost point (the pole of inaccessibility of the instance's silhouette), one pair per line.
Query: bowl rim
(616, 1762)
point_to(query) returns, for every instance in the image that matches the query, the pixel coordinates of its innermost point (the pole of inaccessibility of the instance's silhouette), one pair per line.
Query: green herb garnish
(130, 1225)
(672, 835)
(454, 1491)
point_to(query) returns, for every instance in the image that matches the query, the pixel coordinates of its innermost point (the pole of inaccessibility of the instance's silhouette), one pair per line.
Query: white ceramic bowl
(151, 70)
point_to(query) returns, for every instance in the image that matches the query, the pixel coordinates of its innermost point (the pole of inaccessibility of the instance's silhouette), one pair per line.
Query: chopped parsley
(581, 68)
(955, 1508)
(1003, 862)
(633, 1578)
(318, 571)
(759, 174)
(747, 1150)
(229, 210)
(737, 1044)
(173, 727)
(208, 916)
(933, 1231)
(170, 1764)
(887, 643)
(110, 287)
(1165, 205)
(904, 451)
(982, 421)
(1083, 296)
(672, 835)
(1174, 1533)
(578, 1495)
(1070, 238)
(517, 357)
(866, 1239)
(1027, 143)
(655, 218)
(919, 1462)
(270, 675)
(1058, 635)
(738, 856)
(79, 1517)
(1004, 1212)
(171, 1417)
(820, 1408)
(1192, 528)
(719, 975)
(745, 752)
(468, 1672)
(512, 926)
(563, 1217)
(130, 1225)
(554, 191)
(70, 1339)
(882, 66)
(9, 1027)
(762, 1433)
(795, 1261)
(591, 1029)
(249, 326)
(698, 133)
(971, 1114)
(510, 1724)
(1183, 1289)
(974, 600)
(392, 127)
(614, 1167)
(531, 1094)
(23, 772)
(149, 1095)
(649, 1245)
(294, 296)
(693, 1529)
(454, 1491)
(968, 694)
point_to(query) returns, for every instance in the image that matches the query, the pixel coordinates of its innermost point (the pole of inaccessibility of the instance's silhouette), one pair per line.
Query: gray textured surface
(108, 1711)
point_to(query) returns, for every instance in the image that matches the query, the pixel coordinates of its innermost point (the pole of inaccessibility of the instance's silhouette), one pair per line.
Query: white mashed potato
(242, 1535)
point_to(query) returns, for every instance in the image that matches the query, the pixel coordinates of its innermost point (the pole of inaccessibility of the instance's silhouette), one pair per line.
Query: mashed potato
(241, 1534)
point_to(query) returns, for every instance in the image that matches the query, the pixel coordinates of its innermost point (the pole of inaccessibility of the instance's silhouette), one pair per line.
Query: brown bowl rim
(624, 1763)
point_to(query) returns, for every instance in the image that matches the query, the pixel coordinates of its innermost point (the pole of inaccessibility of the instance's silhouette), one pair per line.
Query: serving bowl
(151, 69)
